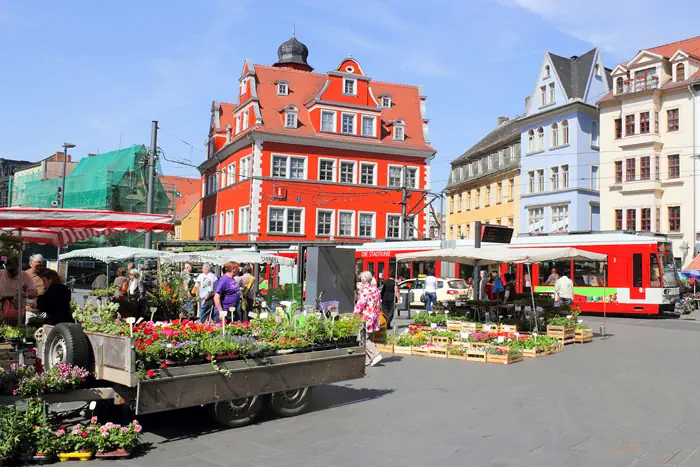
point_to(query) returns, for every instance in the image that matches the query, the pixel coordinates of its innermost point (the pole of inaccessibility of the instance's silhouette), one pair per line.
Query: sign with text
(496, 233)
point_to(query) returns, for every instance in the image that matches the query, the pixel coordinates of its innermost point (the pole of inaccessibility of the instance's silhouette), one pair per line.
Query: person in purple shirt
(227, 293)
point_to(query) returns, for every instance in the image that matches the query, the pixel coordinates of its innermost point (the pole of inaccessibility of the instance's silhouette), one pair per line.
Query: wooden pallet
(505, 359)
(536, 352)
(583, 336)
(385, 348)
(402, 350)
(476, 355)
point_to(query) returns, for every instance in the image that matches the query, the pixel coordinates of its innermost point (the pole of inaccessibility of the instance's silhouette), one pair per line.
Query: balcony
(643, 83)
(640, 186)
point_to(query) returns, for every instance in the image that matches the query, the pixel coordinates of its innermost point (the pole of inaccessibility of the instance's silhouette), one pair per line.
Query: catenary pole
(404, 202)
(151, 170)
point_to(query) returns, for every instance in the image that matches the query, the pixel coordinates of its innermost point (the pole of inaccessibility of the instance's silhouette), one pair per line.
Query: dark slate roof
(574, 72)
(497, 136)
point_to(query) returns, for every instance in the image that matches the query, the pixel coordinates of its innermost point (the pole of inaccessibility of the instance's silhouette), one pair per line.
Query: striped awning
(60, 227)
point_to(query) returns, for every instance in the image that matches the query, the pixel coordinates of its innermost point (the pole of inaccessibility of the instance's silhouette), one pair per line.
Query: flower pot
(80, 456)
(119, 453)
(43, 458)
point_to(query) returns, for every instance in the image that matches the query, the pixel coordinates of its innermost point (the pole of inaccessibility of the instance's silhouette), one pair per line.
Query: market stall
(220, 257)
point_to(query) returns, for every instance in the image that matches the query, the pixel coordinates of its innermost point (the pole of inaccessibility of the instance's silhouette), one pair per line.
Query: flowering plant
(57, 379)
(111, 437)
(10, 377)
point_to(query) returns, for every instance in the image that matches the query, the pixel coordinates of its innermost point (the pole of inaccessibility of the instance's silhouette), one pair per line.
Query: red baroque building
(305, 156)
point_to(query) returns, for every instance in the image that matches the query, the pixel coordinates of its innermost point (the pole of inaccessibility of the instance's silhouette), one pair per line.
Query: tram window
(589, 273)
(392, 265)
(370, 268)
(637, 270)
(358, 267)
(654, 270)
(406, 285)
(404, 270)
(563, 269)
(380, 271)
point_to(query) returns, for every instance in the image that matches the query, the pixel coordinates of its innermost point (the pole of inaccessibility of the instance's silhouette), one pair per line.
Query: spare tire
(67, 343)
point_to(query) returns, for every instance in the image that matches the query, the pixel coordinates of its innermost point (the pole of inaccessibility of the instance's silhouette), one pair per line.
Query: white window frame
(388, 175)
(374, 224)
(230, 218)
(204, 187)
(282, 88)
(554, 130)
(565, 176)
(551, 93)
(531, 141)
(332, 222)
(334, 169)
(354, 86)
(554, 179)
(530, 223)
(334, 120)
(353, 219)
(224, 177)
(244, 219)
(412, 169)
(374, 173)
(399, 132)
(386, 102)
(547, 71)
(222, 223)
(543, 95)
(289, 158)
(597, 177)
(552, 217)
(291, 119)
(246, 119)
(539, 138)
(286, 220)
(374, 125)
(595, 142)
(238, 124)
(354, 171)
(231, 174)
(564, 132)
(354, 123)
(178, 231)
(388, 216)
(541, 183)
(246, 168)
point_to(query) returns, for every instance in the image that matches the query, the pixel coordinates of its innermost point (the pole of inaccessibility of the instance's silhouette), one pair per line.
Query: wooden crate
(536, 352)
(565, 334)
(508, 328)
(479, 345)
(429, 351)
(402, 350)
(459, 342)
(453, 325)
(476, 355)
(583, 335)
(463, 354)
(556, 348)
(385, 348)
(471, 327)
(489, 328)
(442, 341)
(505, 359)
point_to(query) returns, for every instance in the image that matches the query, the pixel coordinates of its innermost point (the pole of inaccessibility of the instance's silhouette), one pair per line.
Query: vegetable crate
(565, 334)
(583, 335)
(504, 359)
(385, 348)
(429, 351)
(536, 352)
(476, 355)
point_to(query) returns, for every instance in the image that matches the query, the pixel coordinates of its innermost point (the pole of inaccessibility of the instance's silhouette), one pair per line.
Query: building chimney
(58, 157)
(90, 155)
(502, 120)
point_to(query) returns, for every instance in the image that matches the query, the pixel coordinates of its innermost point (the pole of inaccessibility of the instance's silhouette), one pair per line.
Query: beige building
(647, 130)
(484, 183)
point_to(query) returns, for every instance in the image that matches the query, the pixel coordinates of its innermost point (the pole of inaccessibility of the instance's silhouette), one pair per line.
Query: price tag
(278, 319)
(539, 308)
(464, 334)
(334, 314)
(580, 321)
(264, 315)
(252, 314)
(501, 339)
(517, 335)
(518, 308)
(527, 308)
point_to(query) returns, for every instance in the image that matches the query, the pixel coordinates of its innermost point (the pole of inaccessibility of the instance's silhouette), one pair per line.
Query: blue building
(560, 137)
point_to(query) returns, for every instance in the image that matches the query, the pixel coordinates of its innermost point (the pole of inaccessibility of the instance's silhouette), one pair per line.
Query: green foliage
(103, 318)
(406, 339)
(423, 318)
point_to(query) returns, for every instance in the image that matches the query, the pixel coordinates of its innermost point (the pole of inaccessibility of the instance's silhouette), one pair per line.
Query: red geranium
(151, 373)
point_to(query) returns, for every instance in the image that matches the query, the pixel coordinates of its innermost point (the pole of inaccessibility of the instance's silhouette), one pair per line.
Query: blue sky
(97, 73)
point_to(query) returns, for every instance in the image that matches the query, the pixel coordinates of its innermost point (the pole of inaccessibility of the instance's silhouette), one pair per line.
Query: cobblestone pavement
(627, 400)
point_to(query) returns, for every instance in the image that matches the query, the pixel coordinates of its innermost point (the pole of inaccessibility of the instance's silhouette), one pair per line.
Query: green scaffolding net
(114, 181)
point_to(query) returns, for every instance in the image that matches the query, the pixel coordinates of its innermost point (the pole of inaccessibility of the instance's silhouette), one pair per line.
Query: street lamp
(66, 147)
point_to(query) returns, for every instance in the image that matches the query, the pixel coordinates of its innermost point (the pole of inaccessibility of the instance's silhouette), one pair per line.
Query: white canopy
(114, 254)
(219, 257)
(486, 256)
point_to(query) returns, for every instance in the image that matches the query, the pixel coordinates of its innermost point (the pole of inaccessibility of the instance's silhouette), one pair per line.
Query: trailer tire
(67, 343)
(291, 403)
(236, 413)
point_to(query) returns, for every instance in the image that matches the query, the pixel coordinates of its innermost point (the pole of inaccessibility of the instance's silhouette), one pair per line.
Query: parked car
(449, 290)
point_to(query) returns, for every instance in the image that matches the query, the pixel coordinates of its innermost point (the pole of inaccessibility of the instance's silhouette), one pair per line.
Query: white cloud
(425, 65)
(616, 26)
(346, 36)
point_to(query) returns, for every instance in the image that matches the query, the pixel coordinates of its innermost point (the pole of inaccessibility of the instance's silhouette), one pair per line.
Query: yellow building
(187, 192)
(187, 227)
(484, 183)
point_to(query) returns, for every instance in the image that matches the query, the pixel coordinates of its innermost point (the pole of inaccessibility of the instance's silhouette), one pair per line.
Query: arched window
(555, 134)
(531, 141)
(680, 72)
(594, 134)
(565, 132)
(620, 82)
(547, 71)
(540, 139)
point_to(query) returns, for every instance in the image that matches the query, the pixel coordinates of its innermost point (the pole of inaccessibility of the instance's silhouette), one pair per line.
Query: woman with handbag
(9, 284)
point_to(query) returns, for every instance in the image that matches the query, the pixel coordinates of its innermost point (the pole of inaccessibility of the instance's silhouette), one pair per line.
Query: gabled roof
(574, 73)
(690, 46)
(503, 133)
(189, 190)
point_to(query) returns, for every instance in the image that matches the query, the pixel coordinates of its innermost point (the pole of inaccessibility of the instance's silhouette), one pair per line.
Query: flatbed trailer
(234, 391)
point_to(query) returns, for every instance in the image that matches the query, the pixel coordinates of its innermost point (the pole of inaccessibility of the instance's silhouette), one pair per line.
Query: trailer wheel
(236, 413)
(290, 403)
(67, 343)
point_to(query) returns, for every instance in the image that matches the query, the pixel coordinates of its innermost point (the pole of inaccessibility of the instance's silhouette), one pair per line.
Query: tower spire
(293, 30)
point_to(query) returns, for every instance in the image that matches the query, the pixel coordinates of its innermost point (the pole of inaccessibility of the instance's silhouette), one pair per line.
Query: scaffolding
(113, 181)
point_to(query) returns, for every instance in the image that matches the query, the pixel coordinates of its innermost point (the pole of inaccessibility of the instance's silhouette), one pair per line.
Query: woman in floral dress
(369, 307)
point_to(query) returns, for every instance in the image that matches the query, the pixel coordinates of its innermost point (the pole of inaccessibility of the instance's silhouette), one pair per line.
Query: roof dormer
(385, 100)
(350, 66)
(681, 68)
(291, 116)
(282, 88)
(399, 129)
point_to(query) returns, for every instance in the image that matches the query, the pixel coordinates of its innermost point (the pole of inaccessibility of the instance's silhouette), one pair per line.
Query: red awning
(694, 264)
(60, 227)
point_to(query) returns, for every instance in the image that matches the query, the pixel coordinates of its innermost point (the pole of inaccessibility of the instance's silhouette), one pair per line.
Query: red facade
(304, 156)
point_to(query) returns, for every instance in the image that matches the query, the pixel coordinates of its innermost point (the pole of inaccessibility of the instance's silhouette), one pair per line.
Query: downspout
(695, 124)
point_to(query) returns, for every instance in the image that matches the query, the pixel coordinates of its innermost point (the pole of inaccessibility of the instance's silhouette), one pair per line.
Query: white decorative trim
(354, 123)
(256, 191)
(335, 119)
(354, 87)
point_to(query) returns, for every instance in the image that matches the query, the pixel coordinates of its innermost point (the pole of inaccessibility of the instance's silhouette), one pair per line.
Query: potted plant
(116, 441)
(76, 444)
(44, 444)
